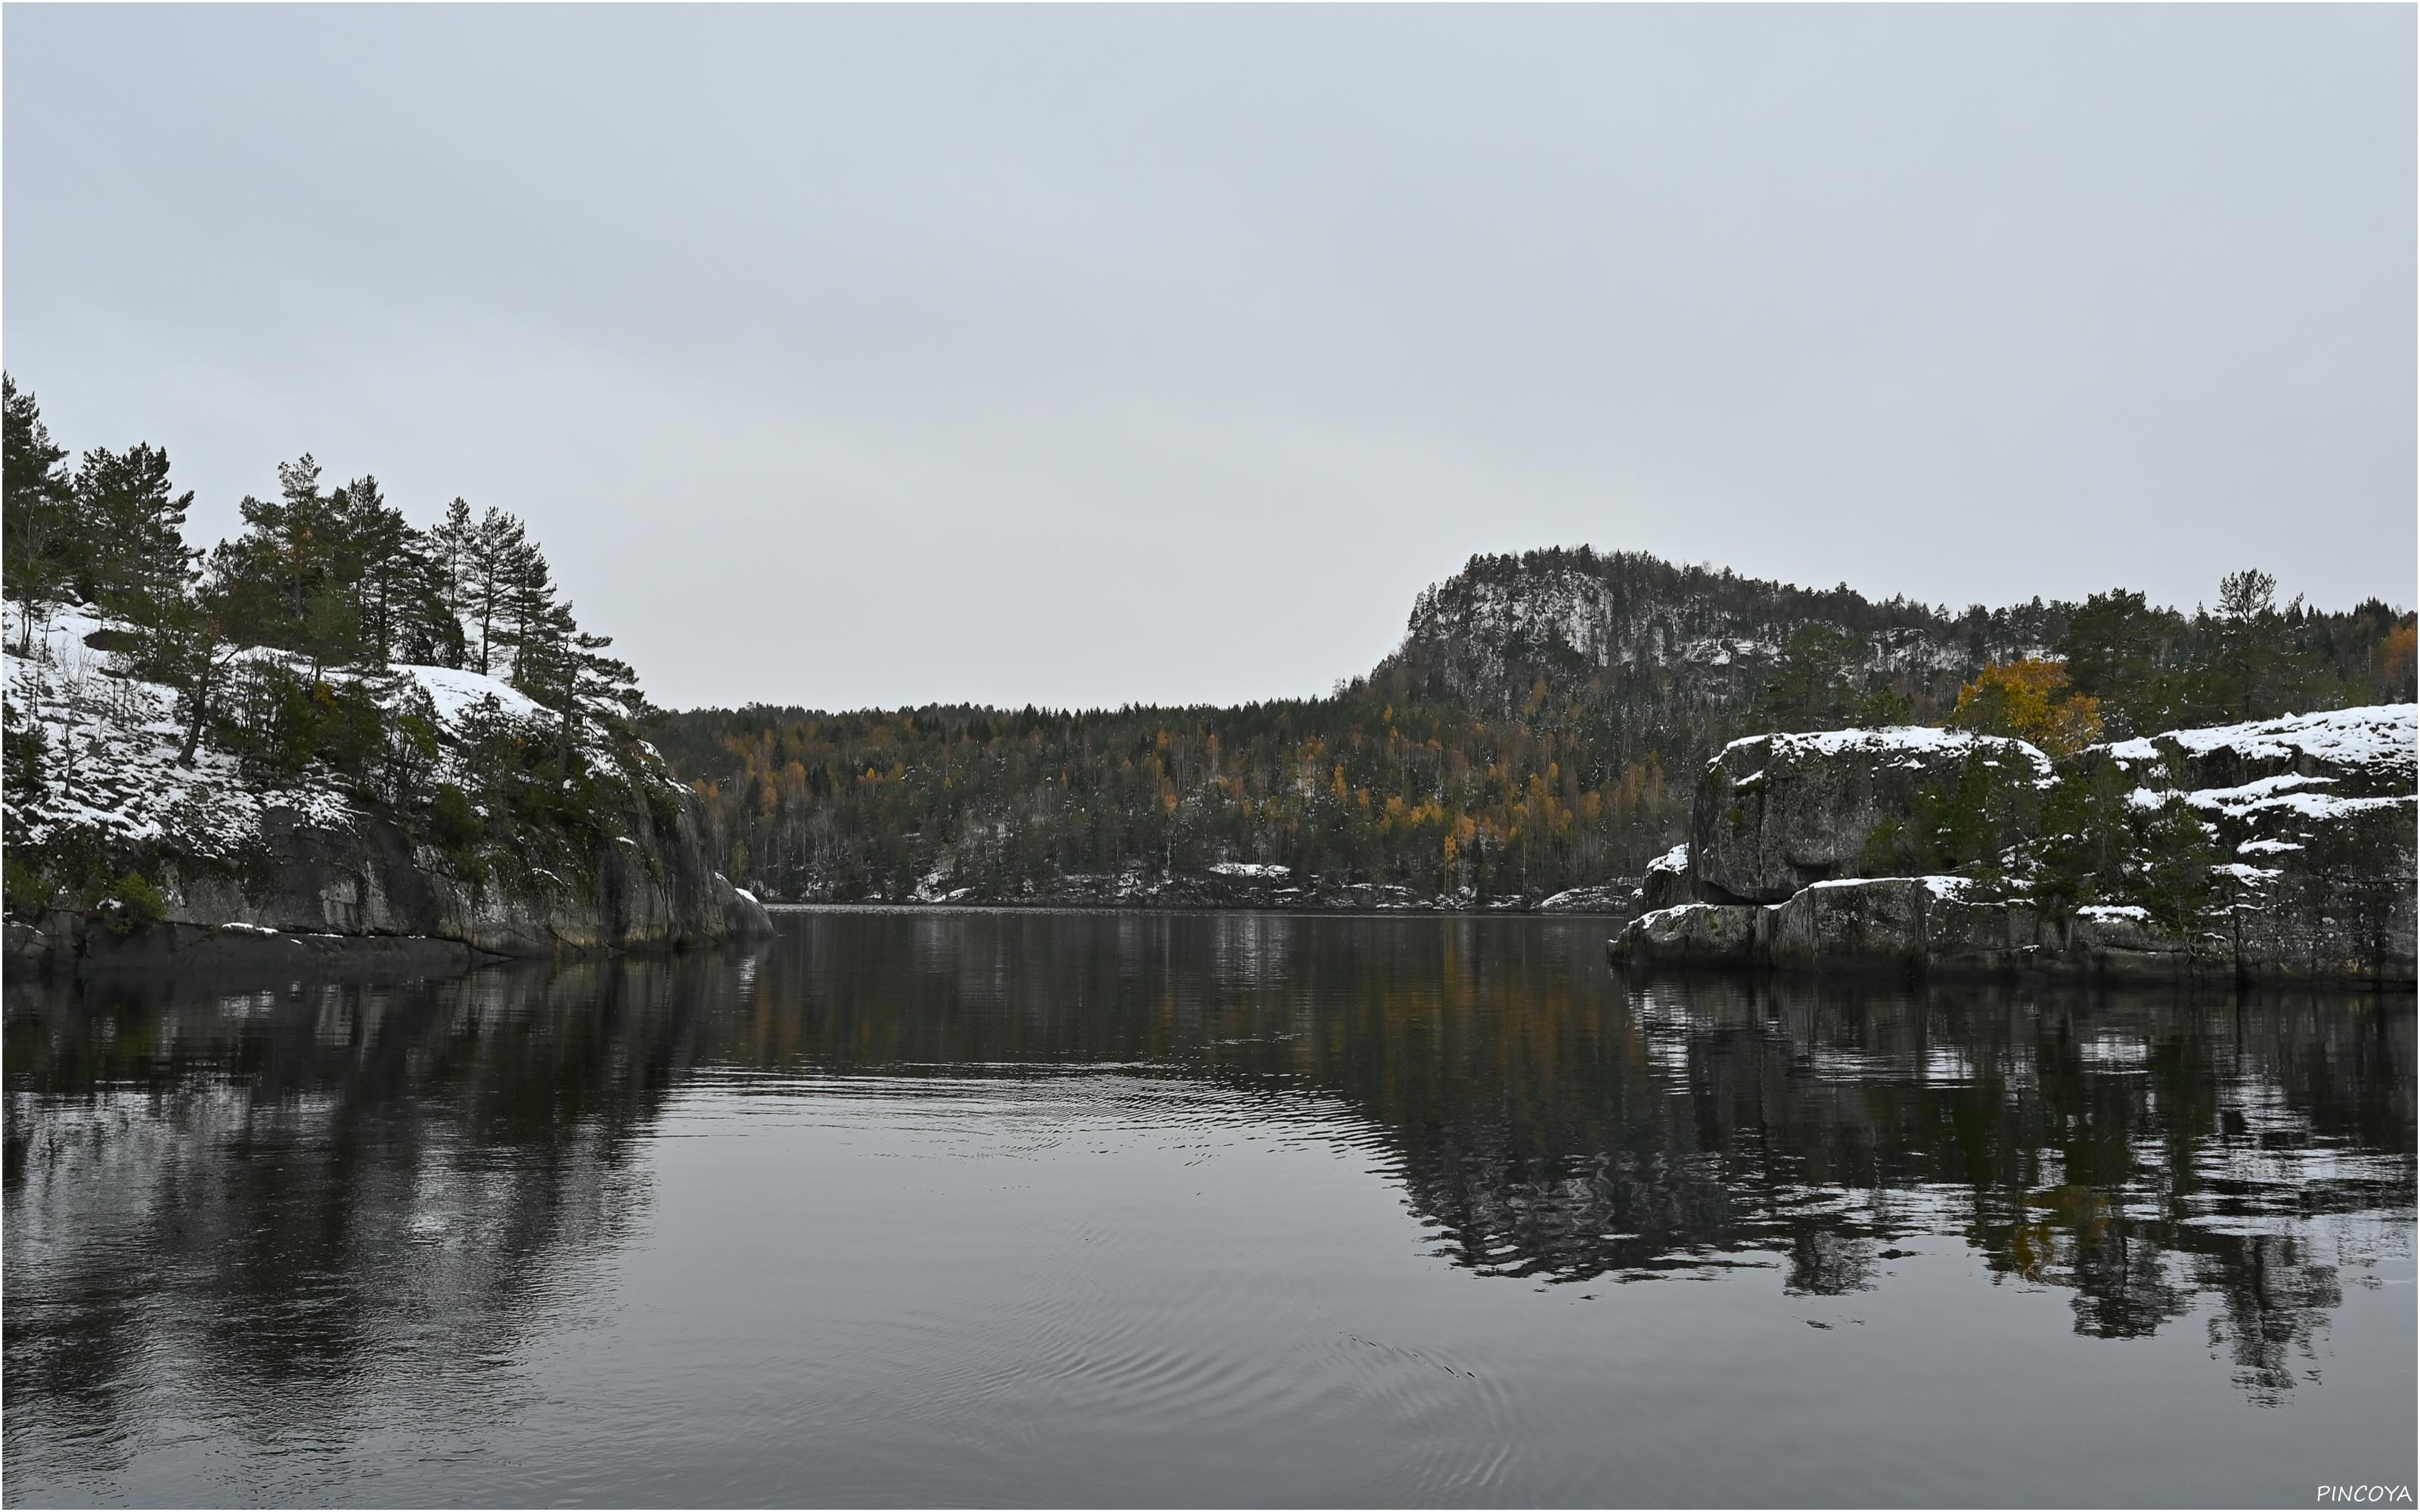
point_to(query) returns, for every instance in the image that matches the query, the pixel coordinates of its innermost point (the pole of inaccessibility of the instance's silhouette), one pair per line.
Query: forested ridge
(1540, 729)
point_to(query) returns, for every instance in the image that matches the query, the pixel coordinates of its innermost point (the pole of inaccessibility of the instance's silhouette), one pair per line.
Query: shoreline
(1075, 905)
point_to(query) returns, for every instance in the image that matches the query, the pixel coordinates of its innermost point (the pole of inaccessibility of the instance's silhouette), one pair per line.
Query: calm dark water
(1216, 1210)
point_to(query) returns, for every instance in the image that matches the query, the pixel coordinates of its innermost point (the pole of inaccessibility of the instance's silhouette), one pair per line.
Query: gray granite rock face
(2317, 817)
(2323, 895)
(366, 882)
(1874, 925)
(1774, 813)
(1964, 936)
(64, 943)
(1667, 882)
(1911, 926)
(1690, 935)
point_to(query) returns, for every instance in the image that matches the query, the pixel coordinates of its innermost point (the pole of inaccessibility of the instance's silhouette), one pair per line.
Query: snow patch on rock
(1889, 745)
(2128, 911)
(2373, 736)
(456, 693)
(1249, 869)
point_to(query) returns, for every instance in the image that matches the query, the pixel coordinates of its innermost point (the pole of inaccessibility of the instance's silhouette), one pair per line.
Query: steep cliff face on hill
(2272, 850)
(133, 846)
(1561, 626)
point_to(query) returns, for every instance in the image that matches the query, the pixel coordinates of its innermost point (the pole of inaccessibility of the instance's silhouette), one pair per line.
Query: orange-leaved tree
(2029, 699)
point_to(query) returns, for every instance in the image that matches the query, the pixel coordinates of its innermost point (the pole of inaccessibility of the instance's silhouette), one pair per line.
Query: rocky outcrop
(359, 890)
(2315, 816)
(1693, 935)
(1866, 924)
(1774, 813)
(1908, 926)
(486, 824)
(2350, 753)
(2312, 819)
(63, 944)
(1668, 881)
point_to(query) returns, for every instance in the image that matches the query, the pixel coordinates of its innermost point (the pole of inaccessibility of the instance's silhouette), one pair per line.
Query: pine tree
(398, 594)
(196, 637)
(538, 628)
(288, 549)
(43, 549)
(1807, 691)
(134, 526)
(499, 548)
(453, 544)
(2252, 672)
(573, 676)
(2116, 648)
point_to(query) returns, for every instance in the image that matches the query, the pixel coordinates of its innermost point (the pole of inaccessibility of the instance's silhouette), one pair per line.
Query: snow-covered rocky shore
(1260, 887)
(220, 866)
(2298, 836)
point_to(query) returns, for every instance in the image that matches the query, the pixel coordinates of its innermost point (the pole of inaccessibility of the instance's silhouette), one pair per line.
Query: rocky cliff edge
(2277, 850)
(126, 852)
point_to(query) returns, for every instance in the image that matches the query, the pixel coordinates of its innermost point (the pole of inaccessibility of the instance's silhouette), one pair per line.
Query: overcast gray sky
(848, 356)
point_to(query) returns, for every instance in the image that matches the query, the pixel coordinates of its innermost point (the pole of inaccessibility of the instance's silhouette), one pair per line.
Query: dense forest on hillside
(1540, 729)
(161, 696)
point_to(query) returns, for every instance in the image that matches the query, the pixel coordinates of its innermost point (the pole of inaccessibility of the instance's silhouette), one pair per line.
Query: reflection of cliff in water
(2139, 1153)
(312, 1201)
(2146, 1152)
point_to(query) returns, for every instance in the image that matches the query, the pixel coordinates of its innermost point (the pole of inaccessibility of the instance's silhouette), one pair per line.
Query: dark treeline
(1540, 729)
(1008, 804)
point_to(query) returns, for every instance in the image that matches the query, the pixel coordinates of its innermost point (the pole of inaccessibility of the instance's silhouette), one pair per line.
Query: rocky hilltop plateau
(2272, 850)
(1620, 626)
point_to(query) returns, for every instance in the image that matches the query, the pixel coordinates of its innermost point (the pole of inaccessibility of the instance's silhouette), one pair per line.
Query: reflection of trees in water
(2142, 1151)
(296, 1201)
(348, 1195)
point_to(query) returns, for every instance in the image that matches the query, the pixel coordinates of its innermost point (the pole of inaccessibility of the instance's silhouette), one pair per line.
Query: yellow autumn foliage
(2029, 699)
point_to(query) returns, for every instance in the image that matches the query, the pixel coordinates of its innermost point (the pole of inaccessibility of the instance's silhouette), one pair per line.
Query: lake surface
(1224, 1210)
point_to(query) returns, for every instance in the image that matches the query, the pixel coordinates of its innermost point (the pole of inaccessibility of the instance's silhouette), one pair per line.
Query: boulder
(1875, 925)
(1968, 936)
(1907, 926)
(1901, 924)
(1613, 898)
(1774, 813)
(2121, 943)
(1667, 882)
(1689, 934)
